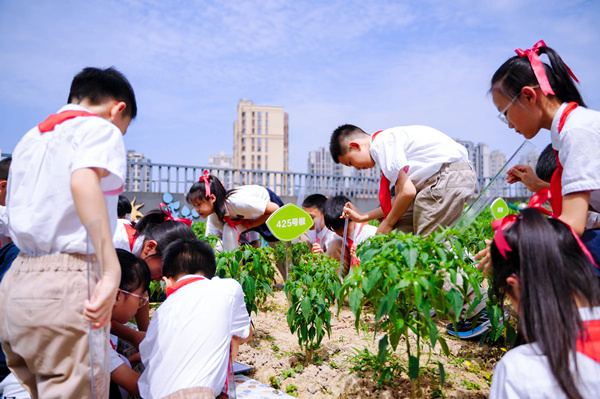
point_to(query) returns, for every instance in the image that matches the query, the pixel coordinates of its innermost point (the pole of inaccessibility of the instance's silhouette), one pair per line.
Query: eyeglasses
(143, 298)
(502, 115)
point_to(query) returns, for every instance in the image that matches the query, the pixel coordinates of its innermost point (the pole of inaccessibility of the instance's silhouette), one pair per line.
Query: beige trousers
(193, 393)
(441, 201)
(43, 331)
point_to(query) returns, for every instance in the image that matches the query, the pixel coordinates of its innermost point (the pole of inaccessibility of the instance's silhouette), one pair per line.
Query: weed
(386, 371)
(289, 373)
(274, 382)
(291, 390)
(470, 385)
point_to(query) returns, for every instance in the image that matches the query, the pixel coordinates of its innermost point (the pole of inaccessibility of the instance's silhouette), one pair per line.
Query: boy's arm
(128, 334)
(527, 176)
(405, 194)
(91, 207)
(271, 207)
(359, 217)
(574, 210)
(127, 379)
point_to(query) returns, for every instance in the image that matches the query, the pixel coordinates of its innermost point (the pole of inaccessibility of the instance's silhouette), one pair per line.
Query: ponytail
(517, 73)
(552, 270)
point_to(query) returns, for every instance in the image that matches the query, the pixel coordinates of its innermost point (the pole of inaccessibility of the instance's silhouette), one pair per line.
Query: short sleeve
(115, 360)
(213, 225)
(248, 202)
(579, 157)
(240, 323)
(387, 150)
(100, 145)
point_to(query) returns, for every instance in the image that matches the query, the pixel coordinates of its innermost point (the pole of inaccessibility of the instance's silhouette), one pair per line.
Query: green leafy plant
(156, 287)
(275, 382)
(297, 250)
(311, 288)
(386, 371)
(402, 276)
(291, 390)
(253, 268)
(199, 229)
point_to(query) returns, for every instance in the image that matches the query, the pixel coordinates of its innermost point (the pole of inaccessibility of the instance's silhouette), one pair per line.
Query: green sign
(499, 208)
(289, 222)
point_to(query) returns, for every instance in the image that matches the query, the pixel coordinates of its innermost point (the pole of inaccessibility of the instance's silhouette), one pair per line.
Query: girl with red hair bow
(540, 266)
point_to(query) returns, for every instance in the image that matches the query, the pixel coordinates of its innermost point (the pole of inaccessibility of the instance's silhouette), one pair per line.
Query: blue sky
(376, 64)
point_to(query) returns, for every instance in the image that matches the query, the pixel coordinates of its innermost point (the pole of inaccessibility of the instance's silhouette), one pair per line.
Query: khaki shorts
(43, 331)
(193, 393)
(440, 202)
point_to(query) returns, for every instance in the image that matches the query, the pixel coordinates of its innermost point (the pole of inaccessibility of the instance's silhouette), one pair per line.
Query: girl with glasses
(532, 95)
(540, 266)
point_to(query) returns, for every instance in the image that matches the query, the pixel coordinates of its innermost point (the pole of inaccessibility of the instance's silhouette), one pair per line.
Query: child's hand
(316, 248)
(486, 258)
(135, 359)
(384, 227)
(353, 251)
(527, 176)
(99, 309)
(351, 212)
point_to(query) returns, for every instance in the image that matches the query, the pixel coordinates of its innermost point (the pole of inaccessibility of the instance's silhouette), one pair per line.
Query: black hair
(198, 191)
(155, 226)
(551, 268)
(100, 85)
(134, 272)
(4, 167)
(340, 137)
(332, 210)
(546, 164)
(517, 73)
(189, 256)
(123, 207)
(314, 201)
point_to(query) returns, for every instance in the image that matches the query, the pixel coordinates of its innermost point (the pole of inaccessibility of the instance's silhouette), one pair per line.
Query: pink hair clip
(206, 179)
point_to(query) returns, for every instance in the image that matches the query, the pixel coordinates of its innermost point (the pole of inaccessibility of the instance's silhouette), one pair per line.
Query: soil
(274, 354)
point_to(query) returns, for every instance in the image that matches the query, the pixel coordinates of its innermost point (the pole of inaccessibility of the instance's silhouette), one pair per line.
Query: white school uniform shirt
(524, 372)
(419, 150)
(360, 235)
(188, 339)
(121, 238)
(246, 202)
(578, 146)
(3, 226)
(42, 216)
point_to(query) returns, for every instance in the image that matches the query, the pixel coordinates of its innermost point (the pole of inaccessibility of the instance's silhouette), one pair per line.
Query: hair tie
(206, 179)
(500, 225)
(168, 216)
(538, 67)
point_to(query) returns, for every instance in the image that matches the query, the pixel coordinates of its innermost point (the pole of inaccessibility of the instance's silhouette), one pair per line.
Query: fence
(177, 179)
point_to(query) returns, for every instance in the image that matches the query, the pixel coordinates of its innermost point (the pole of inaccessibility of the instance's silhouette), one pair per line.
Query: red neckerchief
(131, 235)
(111, 344)
(385, 195)
(181, 283)
(233, 223)
(590, 345)
(56, 119)
(556, 181)
(353, 259)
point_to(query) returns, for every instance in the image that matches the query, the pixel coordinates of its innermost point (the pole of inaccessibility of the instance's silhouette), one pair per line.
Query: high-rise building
(530, 159)
(260, 137)
(497, 161)
(470, 146)
(482, 160)
(221, 160)
(138, 176)
(321, 163)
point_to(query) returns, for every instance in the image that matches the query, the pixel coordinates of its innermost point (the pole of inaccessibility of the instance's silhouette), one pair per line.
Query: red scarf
(183, 282)
(56, 119)
(233, 223)
(556, 182)
(590, 345)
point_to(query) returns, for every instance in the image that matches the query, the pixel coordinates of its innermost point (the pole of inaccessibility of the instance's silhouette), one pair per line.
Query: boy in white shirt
(430, 172)
(333, 210)
(194, 335)
(321, 239)
(66, 173)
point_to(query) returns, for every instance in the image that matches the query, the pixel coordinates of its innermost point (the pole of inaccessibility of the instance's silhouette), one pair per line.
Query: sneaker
(467, 329)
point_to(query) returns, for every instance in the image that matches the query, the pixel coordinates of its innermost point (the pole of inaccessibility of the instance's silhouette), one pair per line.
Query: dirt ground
(273, 353)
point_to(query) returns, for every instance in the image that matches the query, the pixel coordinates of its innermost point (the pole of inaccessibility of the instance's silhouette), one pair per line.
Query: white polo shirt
(42, 216)
(578, 146)
(188, 339)
(419, 150)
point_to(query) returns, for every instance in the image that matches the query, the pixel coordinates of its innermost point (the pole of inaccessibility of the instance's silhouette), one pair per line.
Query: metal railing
(177, 179)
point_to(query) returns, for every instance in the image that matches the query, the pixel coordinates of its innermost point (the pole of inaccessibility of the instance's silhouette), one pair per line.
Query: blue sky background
(376, 64)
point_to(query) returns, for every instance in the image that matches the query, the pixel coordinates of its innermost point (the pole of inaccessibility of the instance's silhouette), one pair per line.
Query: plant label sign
(499, 208)
(289, 222)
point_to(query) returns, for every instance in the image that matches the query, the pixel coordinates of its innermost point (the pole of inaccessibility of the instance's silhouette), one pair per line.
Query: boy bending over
(194, 334)
(430, 172)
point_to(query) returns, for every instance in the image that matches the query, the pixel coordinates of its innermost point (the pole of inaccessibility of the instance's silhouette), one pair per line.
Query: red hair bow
(206, 179)
(500, 225)
(168, 216)
(538, 68)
